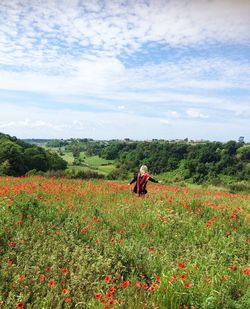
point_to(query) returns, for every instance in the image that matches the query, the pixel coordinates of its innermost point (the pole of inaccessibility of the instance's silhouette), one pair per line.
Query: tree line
(18, 157)
(193, 162)
(196, 162)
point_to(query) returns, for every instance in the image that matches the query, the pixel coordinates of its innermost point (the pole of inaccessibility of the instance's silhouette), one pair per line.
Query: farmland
(93, 244)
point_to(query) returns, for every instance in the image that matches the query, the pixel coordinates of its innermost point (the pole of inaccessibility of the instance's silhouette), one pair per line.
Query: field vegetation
(70, 243)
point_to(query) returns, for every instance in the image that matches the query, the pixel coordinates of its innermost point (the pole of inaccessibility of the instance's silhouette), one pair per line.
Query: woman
(141, 180)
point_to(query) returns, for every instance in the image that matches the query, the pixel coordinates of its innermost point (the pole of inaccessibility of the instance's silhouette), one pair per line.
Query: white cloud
(81, 53)
(194, 113)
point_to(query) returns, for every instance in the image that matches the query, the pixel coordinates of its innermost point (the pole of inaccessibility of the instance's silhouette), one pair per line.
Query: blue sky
(125, 69)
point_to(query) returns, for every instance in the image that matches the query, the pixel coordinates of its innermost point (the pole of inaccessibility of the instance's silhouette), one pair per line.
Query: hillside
(18, 157)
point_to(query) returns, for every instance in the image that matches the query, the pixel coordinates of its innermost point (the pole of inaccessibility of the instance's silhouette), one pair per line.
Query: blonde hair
(144, 168)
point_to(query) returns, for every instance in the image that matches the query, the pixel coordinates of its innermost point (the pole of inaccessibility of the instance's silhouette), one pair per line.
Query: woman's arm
(133, 180)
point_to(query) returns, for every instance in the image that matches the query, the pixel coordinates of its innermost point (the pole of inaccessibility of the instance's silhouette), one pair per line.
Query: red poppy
(151, 249)
(124, 284)
(21, 278)
(246, 271)
(183, 276)
(52, 282)
(65, 270)
(158, 278)
(67, 300)
(145, 286)
(187, 285)
(12, 243)
(9, 262)
(65, 291)
(138, 284)
(107, 278)
(20, 305)
(42, 278)
(98, 295)
(181, 265)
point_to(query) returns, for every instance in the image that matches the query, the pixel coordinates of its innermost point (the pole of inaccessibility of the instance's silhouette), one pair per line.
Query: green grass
(77, 244)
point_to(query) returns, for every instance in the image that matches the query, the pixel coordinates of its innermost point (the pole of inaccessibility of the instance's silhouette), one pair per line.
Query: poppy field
(94, 244)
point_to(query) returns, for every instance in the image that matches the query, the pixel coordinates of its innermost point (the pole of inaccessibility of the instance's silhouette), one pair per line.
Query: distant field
(92, 163)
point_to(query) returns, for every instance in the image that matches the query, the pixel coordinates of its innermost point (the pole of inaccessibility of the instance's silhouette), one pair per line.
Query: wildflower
(187, 285)
(153, 287)
(111, 301)
(246, 271)
(151, 249)
(138, 284)
(12, 243)
(112, 290)
(42, 278)
(52, 282)
(107, 278)
(158, 278)
(65, 270)
(67, 300)
(65, 291)
(9, 262)
(20, 305)
(181, 265)
(183, 276)
(232, 267)
(98, 295)
(124, 284)
(19, 222)
(21, 278)
(48, 268)
(145, 286)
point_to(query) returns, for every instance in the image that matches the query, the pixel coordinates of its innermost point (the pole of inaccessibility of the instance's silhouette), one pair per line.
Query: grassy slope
(73, 240)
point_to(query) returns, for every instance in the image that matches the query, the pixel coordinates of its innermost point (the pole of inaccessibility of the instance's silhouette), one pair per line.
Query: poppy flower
(183, 276)
(52, 282)
(107, 278)
(65, 291)
(138, 284)
(98, 295)
(20, 305)
(158, 278)
(65, 270)
(42, 278)
(181, 265)
(187, 285)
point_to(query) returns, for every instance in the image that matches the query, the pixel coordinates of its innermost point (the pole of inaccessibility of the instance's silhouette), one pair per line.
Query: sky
(139, 69)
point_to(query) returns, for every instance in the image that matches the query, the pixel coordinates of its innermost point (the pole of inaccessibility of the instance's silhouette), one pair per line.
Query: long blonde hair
(143, 169)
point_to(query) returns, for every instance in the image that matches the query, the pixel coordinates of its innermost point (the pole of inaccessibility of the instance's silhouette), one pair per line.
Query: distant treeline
(197, 162)
(18, 157)
(193, 162)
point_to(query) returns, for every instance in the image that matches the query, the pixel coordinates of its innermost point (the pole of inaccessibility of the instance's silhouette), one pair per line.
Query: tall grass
(93, 244)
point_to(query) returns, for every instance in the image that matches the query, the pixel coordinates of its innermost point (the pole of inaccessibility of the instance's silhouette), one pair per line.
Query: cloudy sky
(138, 69)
